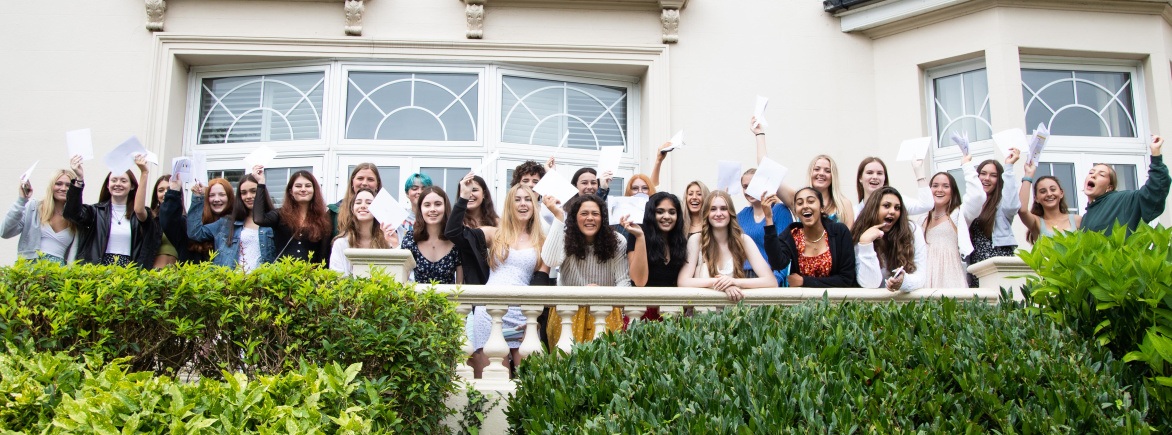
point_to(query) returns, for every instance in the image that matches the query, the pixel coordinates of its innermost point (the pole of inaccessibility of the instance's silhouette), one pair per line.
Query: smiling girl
(817, 250)
(1107, 206)
(119, 229)
(481, 211)
(437, 260)
(1047, 213)
(301, 227)
(991, 231)
(946, 230)
(236, 237)
(358, 229)
(44, 232)
(890, 252)
(657, 249)
(717, 253)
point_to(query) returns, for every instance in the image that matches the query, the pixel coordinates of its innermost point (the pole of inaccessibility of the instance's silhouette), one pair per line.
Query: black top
(470, 243)
(658, 275)
(286, 242)
(174, 226)
(93, 224)
(782, 251)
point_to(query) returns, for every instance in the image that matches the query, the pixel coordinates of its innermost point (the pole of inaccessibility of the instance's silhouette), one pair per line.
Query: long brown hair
(897, 247)
(104, 195)
(317, 221)
(988, 214)
(485, 215)
(953, 200)
(511, 228)
(708, 246)
(154, 192)
(348, 224)
(862, 167)
(687, 213)
(1036, 208)
(210, 216)
(420, 228)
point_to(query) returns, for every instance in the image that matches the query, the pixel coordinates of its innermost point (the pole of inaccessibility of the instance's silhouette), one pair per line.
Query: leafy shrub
(52, 393)
(208, 319)
(937, 367)
(1115, 290)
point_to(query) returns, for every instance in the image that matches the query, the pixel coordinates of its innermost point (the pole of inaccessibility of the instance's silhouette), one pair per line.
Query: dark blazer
(285, 241)
(470, 241)
(782, 251)
(93, 223)
(174, 226)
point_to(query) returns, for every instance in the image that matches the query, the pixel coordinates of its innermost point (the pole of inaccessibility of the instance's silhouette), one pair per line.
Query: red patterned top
(817, 266)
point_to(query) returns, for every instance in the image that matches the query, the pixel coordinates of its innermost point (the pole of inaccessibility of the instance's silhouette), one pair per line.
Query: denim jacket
(226, 255)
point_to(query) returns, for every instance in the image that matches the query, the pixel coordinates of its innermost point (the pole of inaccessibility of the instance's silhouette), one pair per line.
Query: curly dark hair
(606, 242)
(671, 246)
(897, 247)
(528, 168)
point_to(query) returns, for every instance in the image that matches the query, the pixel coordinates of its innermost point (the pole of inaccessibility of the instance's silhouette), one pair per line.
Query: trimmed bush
(210, 320)
(938, 367)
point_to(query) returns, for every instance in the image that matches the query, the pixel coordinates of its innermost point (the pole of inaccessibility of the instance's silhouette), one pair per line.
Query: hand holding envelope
(1037, 143)
(386, 210)
(633, 206)
(556, 185)
(962, 141)
(677, 142)
(767, 179)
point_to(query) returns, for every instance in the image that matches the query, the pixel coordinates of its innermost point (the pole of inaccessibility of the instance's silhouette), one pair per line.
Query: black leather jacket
(93, 224)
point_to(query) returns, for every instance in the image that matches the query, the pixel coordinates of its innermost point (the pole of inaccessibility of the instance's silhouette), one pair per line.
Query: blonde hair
(711, 250)
(47, 204)
(684, 198)
(835, 200)
(511, 228)
(348, 224)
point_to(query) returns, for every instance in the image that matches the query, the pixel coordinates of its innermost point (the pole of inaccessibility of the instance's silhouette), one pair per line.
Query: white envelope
(768, 178)
(556, 185)
(199, 167)
(759, 111)
(1037, 143)
(486, 167)
(80, 143)
(914, 149)
(608, 159)
(677, 142)
(728, 177)
(386, 209)
(1012, 138)
(29, 173)
(152, 158)
(962, 141)
(121, 159)
(620, 206)
(181, 169)
(262, 156)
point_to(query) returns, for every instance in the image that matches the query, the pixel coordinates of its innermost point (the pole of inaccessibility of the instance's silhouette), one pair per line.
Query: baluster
(532, 342)
(496, 348)
(566, 341)
(635, 314)
(600, 312)
(670, 310)
(707, 309)
(462, 368)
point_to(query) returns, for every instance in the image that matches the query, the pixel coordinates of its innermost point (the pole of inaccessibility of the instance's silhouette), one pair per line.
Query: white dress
(516, 270)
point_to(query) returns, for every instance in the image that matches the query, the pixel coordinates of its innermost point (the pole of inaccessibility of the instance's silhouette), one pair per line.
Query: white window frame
(944, 156)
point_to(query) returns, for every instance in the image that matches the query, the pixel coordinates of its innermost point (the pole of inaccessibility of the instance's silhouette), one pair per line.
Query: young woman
(119, 229)
(44, 232)
(217, 201)
(235, 236)
(512, 254)
(823, 176)
(590, 253)
(656, 251)
(946, 230)
(873, 176)
(752, 220)
(587, 182)
(890, 252)
(436, 258)
(301, 227)
(1047, 214)
(716, 254)
(695, 216)
(358, 229)
(639, 185)
(818, 251)
(1107, 205)
(364, 176)
(480, 212)
(991, 231)
(173, 247)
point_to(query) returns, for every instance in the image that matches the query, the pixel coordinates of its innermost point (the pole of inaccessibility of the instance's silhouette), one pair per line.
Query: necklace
(819, 239)
(118, 217)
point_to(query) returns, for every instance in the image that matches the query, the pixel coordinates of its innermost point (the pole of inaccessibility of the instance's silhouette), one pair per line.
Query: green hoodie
(1130, 207)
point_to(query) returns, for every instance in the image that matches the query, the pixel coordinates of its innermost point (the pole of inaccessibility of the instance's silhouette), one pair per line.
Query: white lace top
(516, 270)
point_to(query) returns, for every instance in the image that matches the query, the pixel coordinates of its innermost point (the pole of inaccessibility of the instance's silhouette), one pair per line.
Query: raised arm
(196, 230)
(659, 158)
(1010, 201)
(922, 202)
(974, 193)
(553, 252)
(14, 221)
(785, 192)
(1027, 186)
(262, 212)
(140, 198)
(74, 211)
(171, 215)
(1154, 193)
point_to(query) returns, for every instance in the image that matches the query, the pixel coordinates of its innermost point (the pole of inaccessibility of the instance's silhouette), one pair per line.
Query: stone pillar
(1000, 272)
(397, 262)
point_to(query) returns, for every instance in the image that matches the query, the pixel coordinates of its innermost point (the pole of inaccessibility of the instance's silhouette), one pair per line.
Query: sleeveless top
(725, 269)
(517, 269)
(818, 266)
(442, 271)
(1046, 231)
(55, 243)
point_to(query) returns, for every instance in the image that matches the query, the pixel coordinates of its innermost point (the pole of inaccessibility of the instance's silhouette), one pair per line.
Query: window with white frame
(1079, 102)
(261, 108)
(960, 103)
(562, 113)
(411, 106)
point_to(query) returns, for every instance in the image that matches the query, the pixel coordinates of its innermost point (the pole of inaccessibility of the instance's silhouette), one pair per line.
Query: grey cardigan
(24, 218)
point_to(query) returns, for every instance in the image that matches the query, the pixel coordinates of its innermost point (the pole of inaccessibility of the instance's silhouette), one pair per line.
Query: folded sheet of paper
(1012, 138)
(633, 206)
(767, 179)
(728, 177)
(608, 159)
(181, 169)
(759, 111)
(29, 173)
(1037, 144)
(914, 149)
(677, 142)
(486, 167)
(556, 185)
(121, 159)
(152, 157)
(199, 167)
(962, 141)
(80, 143)
(386, 209)
(262, 157)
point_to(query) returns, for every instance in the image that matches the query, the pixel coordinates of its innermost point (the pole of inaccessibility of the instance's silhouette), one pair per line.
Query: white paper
(80, 143)
(1012, 138)
(759, 111)
(486, 167)
(1037, 143)
(608, 159)
(152, 158)
(262, 157)
(914, 149)
(962, 141)
(620, 206)
(556, 185)
(386, 209)
(29, 173)
(181, 169)
(728, 177)
(677, 141)
(121, 159)
(768, 178)
(199, 167)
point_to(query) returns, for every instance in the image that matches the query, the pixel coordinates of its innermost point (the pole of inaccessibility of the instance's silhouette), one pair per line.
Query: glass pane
(958, 175)
(557, 113)
(446, 178)
(232, 175)
(618, 186)
(276, 180)
(1064, 172)
(962, 106)
(388, 174)
(261, 108)
(408, 106)
(1128, 179)
(1079, 103)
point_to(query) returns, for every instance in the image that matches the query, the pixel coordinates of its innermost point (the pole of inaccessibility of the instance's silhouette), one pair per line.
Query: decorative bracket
(669, 19)
(155, 10)
(474, 10)
(354, 10)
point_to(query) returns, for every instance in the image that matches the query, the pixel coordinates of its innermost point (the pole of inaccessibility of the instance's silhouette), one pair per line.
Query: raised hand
(26, 189)
(466, 186)
(604, 180)
(1014, 154)
(1030, 169)
(197, 189)
(755, 126)
(1157, 144)
(141, 162)
(258, 172)
(550, 164)
(75, 165)
(631, 227)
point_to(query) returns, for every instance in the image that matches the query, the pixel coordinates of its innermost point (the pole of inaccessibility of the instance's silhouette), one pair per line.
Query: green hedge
(209, 320)
(937, 366)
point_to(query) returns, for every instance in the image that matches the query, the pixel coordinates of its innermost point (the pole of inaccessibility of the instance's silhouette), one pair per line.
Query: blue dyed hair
(423, 179)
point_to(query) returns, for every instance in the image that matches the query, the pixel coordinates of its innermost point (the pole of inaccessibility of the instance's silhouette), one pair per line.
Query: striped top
(614, 272)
